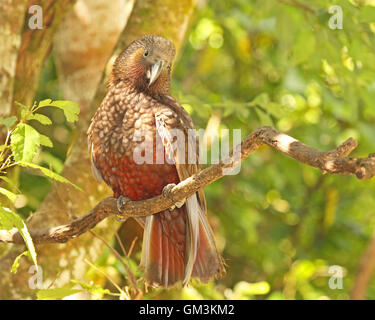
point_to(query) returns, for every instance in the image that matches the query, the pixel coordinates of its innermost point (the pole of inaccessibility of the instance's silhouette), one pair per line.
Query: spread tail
(178, 245)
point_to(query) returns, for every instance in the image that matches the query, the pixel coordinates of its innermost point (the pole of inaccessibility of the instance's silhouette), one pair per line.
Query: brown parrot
(178, 244)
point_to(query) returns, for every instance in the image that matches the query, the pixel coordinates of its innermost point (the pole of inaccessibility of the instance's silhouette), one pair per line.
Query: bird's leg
(121, 203)
(167, 194)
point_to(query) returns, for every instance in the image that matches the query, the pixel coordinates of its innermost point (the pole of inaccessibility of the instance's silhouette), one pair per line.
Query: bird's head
(146, 64)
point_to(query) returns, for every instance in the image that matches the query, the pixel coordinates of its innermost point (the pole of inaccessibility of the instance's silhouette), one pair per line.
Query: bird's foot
(121, 203)
(167, 194)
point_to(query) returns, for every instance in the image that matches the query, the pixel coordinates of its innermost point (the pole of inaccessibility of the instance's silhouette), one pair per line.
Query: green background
(279, 224)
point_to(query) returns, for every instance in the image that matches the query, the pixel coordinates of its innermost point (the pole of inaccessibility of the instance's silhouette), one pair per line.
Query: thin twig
(106, 275)
(121, 244)
(132, 246)
(128, 271)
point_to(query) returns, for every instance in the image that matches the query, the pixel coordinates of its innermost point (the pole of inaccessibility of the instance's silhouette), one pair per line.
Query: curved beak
(154, 72)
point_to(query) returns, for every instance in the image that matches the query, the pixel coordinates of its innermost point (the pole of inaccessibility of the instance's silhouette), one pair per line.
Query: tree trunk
(83, 46)
(63, 262)
(35, 47)
(12, 18)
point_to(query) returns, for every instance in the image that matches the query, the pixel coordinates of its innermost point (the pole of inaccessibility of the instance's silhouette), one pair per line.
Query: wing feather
(186, 167)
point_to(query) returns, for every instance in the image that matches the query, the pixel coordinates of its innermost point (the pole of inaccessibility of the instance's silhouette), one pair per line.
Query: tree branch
(333, 162)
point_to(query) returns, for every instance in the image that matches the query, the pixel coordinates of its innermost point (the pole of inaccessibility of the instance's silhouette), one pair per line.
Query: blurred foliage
(277, 62)
(280, 224)
(19, 150)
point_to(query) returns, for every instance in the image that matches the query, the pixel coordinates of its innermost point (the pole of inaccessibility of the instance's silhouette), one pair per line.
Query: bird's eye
(146, 53)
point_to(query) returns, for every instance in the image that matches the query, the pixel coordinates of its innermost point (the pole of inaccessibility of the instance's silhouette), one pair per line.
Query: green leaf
(304, 46)
(70, 108)
(10, 195)
(56, 293)
(24, 113)
(24, 142)
(367, 14)
(243, 289)
(5, 222)
(91, 287)
(49, 173)
(277, 110)
(10, 183)
(45, 141)
(8, 122)
(40, 117)
(17, 222)
(16, 262)
(264, 118)
(262, 100)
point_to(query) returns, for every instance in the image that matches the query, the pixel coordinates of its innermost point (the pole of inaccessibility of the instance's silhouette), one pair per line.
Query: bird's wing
(173, 124)
(93, 136)
(186, 154)
(95, 171)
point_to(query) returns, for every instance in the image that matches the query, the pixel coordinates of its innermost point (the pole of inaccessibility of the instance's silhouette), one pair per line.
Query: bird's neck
(159, 88)
(129, 89)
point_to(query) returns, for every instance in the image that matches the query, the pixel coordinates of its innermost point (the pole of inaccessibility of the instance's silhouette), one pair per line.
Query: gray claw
(167, 190)
(167, 194)
(179, 204)
(121, 203)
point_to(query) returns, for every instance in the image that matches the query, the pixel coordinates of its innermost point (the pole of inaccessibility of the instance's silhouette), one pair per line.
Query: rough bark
(83, 44)
(36, 45)
(65, 261)
(12, 19)
(168, 18)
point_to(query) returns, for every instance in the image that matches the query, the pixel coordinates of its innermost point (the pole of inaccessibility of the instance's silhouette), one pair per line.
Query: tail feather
(163, 250)
(208, 262)
(192, 235)
(178, 245)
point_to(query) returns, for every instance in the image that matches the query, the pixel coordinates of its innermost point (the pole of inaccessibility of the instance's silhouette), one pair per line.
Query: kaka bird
(178, 243)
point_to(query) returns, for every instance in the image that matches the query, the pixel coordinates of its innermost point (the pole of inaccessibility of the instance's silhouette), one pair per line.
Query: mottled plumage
(177, 244)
